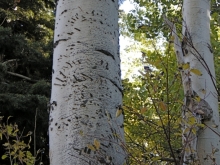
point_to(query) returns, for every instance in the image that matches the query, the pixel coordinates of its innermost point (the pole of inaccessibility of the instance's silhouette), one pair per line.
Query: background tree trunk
(86, 85)
(201, 98)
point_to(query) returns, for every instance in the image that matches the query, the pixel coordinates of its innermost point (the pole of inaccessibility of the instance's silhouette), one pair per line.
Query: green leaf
(6, 144)
(9, 129)
(4, 157)
(156, 158)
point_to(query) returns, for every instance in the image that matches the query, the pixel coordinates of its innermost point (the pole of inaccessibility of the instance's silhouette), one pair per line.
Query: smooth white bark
(86, 85)
(198, 54)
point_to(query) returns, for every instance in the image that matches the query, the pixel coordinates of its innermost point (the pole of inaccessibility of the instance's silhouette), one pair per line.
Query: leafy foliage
(152, 106)
(153, 100)
(17, 151)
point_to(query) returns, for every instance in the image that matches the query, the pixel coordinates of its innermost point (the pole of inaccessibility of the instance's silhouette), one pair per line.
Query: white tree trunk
(201, 98)
(86, 85)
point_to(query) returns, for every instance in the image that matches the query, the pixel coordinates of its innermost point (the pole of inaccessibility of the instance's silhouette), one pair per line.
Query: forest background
(153, 133)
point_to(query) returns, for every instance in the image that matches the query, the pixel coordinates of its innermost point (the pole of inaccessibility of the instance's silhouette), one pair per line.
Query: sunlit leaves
(155, 100)
(146, 103)
(15, 147)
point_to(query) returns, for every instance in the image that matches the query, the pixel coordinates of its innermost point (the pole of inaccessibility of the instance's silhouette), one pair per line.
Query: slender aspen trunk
(200, 89)
(200, 112)
(86, 85)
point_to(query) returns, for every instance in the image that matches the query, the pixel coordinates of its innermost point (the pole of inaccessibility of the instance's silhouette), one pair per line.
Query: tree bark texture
(86, 85)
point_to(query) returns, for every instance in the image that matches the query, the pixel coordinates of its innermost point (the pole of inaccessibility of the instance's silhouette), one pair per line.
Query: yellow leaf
(118, 112)
(91, 147)
(200, 125)
(196, 72)
(96, 144)
(143, 110)
(162, 105)
(197, 98)
(186, 66)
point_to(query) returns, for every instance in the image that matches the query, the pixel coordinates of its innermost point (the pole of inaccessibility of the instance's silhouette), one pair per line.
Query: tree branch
(12, 60)
(21, 76)
(177, 44)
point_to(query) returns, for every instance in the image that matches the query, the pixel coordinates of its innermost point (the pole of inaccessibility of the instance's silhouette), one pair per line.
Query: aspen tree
(200, 110)
(86, 123)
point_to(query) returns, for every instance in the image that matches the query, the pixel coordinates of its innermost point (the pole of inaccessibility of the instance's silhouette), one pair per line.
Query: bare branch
(21, 76)
(177, 44)
(9, 61)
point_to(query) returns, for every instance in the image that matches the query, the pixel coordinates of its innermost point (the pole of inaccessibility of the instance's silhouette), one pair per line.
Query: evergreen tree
(26, 34)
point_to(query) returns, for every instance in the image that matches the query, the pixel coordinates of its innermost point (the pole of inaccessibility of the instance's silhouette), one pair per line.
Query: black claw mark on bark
(105, 52)
(87, 76)
(77, 29)
(57, 42)
(115, 84)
